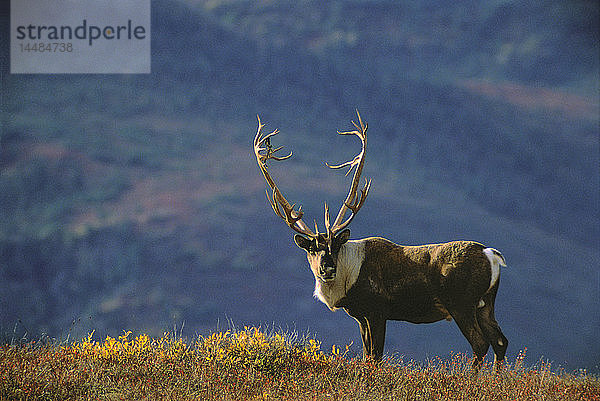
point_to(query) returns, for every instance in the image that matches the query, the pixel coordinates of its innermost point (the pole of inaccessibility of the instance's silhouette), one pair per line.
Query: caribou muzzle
(327, 273)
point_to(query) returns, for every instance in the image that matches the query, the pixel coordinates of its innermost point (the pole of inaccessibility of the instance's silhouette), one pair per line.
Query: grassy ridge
(253, 365)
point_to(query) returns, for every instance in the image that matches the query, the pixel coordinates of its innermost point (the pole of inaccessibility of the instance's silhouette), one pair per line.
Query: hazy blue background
(133, 202)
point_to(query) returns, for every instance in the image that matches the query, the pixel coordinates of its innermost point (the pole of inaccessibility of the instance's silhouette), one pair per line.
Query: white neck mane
(349, 261)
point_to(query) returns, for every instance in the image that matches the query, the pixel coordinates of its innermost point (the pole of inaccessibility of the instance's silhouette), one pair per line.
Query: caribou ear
(342, 237)
(302, 241)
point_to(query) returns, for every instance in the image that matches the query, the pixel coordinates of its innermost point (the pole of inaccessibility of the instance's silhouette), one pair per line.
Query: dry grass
(253, 365)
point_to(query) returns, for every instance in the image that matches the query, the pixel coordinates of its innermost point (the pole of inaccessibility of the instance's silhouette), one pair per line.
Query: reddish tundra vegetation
(256, 365)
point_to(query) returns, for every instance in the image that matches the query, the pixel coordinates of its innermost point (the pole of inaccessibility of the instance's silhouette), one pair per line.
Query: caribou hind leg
(468, 325)
(491, 328)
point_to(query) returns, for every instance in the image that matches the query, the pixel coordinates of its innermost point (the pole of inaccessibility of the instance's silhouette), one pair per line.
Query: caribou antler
(280, 205)
(353, 202)
(282, 208)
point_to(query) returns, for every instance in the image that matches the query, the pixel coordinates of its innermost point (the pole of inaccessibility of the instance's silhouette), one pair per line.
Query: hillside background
(133, 202)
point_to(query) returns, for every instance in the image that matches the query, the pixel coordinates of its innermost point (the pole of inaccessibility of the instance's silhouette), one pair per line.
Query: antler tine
(355, 207)
(327, 226)
(282, 208)
(352, 202)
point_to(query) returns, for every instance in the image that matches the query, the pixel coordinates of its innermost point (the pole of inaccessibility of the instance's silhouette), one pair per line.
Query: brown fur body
(425, 284)
(412, 283)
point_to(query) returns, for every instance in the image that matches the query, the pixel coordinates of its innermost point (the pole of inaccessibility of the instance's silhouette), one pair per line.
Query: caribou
(375, 280)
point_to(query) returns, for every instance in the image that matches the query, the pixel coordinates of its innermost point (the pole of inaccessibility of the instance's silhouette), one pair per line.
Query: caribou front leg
(372, 332)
